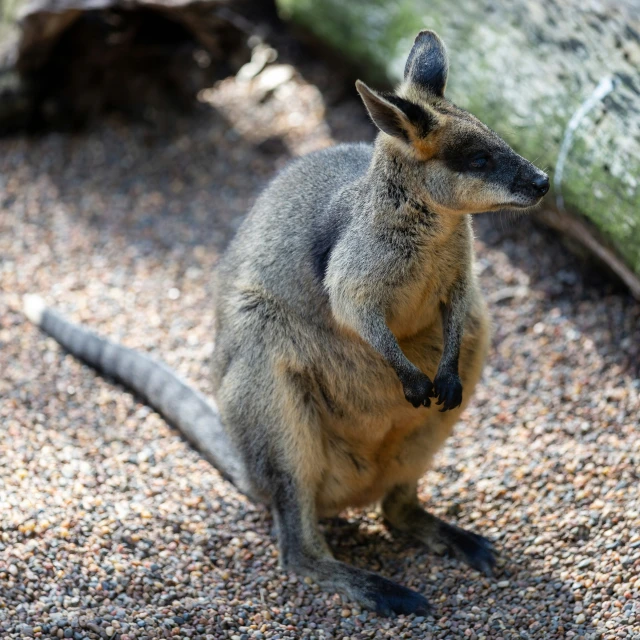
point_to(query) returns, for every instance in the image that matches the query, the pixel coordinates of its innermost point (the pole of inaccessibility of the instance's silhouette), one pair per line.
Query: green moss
(8, 12)
(601, 197)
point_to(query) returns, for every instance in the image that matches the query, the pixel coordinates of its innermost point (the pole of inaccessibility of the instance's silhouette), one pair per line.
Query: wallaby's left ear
(428, 64)
(385, 115)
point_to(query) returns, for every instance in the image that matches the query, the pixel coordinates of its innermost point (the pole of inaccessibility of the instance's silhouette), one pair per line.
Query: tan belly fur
(368, 452)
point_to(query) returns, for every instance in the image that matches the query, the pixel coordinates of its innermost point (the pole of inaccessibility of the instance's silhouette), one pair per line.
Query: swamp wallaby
(347, 301)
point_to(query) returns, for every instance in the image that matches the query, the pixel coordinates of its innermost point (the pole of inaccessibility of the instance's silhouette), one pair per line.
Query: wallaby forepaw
(418, 390)
(387, 598)
(447, 388)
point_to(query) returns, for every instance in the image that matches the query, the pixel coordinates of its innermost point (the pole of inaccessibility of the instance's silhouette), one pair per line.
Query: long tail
(197, 418)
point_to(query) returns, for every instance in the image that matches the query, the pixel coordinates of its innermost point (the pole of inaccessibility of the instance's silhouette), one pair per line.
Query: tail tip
(33, 307)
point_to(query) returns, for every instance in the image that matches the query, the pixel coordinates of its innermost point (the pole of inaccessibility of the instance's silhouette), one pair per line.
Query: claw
(389, 598)
(448, 393)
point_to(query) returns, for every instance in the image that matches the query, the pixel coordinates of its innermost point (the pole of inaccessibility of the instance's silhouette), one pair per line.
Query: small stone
(503, 584)
(580, 618)
(345, 613)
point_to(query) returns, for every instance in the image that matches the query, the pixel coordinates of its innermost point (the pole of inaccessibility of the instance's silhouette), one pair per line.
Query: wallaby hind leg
(276, 422)
(304, 551)
(403, 511)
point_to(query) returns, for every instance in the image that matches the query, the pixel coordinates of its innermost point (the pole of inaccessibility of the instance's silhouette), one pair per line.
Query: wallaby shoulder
(300, 197)
(284, 243)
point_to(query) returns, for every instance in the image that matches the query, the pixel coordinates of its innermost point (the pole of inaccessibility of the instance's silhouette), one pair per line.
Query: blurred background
(134, 136)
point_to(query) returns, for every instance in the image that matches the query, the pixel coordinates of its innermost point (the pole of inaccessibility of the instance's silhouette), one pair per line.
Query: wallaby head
(449, 159)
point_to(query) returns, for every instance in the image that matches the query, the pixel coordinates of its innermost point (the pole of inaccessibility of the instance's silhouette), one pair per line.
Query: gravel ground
(111, 526)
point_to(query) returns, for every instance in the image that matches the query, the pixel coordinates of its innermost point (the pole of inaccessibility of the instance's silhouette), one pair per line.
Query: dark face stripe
(469, 140)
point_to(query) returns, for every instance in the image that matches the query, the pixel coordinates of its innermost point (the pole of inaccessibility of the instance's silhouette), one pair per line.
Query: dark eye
(479, 161)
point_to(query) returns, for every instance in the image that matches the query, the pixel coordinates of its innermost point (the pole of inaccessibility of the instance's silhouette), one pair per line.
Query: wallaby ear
(385, 115)
(428, 64)
(396, 116)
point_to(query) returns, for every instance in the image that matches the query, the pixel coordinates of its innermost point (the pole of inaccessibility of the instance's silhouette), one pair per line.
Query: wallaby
(346, 302)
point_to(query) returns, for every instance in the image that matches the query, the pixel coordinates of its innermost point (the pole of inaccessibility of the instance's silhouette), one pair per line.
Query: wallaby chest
(415, 303)
(372, 438)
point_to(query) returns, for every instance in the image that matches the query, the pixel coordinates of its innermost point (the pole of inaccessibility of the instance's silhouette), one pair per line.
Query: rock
(560, 81)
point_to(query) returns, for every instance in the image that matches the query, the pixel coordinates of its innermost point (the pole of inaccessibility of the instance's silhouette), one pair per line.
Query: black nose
(541, 183)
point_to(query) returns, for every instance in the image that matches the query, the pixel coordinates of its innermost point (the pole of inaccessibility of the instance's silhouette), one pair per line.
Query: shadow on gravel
(368, 544)
(187, 181)
(156, 189)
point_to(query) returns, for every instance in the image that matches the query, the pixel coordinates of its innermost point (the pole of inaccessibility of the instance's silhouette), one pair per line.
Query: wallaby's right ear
(394, 115)
(428, 63)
